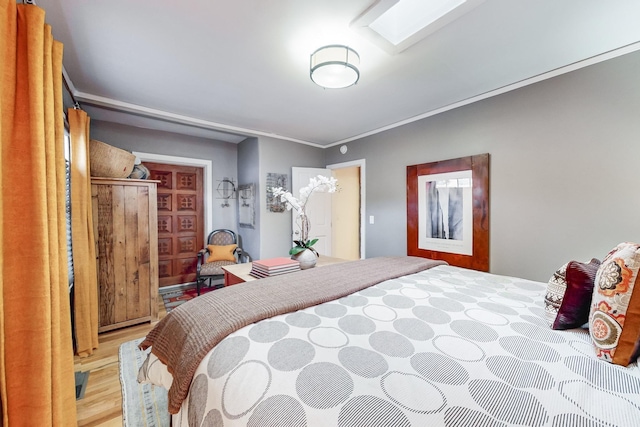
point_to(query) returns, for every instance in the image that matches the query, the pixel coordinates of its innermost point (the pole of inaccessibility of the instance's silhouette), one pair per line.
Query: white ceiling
(227, 69)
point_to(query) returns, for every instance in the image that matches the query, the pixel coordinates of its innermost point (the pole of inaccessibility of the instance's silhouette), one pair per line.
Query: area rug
(143, 405)
(172, 299)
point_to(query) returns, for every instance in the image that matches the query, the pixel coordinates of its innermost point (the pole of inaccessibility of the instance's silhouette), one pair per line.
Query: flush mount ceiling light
(335, 66)
(394, 25)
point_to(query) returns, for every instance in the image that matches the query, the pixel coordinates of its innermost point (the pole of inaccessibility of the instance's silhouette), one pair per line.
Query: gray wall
(222, 154)
(278, 156)
(249, 173)
(247, 162)
(563, 161)
(564, 167)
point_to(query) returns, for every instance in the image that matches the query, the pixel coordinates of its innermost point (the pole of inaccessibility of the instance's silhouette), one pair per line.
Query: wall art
(448, 211)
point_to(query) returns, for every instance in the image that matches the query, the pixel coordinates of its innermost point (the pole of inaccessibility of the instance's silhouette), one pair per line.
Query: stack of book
(273, 267)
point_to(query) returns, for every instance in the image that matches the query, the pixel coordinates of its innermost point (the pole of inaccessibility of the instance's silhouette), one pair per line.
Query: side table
(239, 273)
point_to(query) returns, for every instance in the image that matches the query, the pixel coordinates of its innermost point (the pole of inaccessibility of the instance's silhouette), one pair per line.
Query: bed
(437, 346)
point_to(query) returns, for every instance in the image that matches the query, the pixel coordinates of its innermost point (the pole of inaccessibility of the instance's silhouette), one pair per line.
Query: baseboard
(178, 287)
(184, 286)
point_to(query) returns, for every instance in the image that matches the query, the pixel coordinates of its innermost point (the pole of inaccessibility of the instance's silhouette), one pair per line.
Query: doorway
(348, 225)
(345, 214)
(180, 221)
(342, 231)
(319, 209)
(207, 201)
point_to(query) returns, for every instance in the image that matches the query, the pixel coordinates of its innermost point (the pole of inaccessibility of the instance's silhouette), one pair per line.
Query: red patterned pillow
(574, 309)
(569, 292)
(614, 322)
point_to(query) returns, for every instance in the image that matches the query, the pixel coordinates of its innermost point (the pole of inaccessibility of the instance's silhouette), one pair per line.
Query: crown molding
(114, 104)
(504, 89)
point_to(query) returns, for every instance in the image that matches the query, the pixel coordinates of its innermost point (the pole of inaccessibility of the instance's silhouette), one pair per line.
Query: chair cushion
(214, 268)
(221, 253)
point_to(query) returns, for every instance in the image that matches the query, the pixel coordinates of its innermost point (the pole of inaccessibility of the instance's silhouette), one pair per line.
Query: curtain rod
(76, 105)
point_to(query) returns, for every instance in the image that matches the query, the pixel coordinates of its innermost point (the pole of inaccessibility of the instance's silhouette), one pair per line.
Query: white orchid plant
(316, 184)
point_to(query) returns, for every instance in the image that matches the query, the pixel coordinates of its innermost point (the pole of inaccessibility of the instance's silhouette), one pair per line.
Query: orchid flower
(316, 184)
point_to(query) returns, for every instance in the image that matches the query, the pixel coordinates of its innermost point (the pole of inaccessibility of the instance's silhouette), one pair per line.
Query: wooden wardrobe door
(124, 215)
(180, 221)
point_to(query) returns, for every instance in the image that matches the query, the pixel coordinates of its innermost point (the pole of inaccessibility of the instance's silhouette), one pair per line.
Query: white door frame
(363, 192)
(207, 184)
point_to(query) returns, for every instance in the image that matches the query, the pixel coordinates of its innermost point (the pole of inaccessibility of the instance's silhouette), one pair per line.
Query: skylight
(407, 17)
(397, 24)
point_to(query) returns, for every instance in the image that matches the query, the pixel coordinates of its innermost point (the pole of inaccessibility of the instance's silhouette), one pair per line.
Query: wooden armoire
(126, 232)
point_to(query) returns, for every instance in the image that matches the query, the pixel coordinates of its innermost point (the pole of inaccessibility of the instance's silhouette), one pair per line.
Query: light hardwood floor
(102, 402)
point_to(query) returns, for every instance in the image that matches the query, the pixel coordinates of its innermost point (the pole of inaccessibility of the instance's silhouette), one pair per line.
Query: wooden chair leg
(200, 282)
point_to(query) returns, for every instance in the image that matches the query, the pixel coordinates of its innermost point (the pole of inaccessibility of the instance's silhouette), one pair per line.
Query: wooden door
(345, 215)
(124, 214)
(180, 221)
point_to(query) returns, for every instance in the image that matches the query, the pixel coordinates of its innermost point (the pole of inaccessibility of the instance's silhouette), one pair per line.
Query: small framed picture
(246, 206)
(275, 180)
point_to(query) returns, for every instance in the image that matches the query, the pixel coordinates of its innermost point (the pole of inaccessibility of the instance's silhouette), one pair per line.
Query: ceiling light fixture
(335, 66)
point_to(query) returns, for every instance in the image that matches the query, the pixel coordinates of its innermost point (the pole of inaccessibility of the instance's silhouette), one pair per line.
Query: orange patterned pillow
(221, 253)
(614, 321)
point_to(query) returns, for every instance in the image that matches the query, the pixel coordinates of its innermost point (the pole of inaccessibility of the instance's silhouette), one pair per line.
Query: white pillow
(153, 371)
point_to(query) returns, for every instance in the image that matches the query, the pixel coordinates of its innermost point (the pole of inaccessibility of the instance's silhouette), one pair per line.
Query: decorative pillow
(153, 371)
(221, 253)
(568, 298)
(555, 292)
(614, 322)
(576, 301)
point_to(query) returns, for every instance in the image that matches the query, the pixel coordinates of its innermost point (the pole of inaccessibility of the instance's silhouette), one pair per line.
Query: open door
(318, 209)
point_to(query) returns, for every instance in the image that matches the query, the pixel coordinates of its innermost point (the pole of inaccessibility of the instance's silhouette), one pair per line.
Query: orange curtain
(84, 250)
(36, 354)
